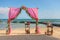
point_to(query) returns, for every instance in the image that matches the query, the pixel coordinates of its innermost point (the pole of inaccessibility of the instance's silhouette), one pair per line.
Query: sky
(47, 9)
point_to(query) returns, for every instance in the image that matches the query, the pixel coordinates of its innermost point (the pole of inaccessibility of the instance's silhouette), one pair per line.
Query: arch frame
(26, 9)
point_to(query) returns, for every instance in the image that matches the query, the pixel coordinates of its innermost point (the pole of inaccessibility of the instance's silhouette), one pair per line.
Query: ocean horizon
(19, 23)
(32, 20)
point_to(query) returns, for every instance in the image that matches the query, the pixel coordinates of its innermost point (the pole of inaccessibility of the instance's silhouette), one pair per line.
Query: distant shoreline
(55, 22)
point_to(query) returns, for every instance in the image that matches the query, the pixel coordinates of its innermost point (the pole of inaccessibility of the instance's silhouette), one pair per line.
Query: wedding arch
(14, 12)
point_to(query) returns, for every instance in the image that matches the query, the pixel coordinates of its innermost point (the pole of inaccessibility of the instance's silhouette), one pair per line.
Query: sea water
(16, 23)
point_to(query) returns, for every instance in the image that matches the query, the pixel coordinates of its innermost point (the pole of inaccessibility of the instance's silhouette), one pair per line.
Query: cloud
(4, 10)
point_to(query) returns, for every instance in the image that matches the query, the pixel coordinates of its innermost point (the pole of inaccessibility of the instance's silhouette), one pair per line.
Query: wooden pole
(37, 28)
(8, 31)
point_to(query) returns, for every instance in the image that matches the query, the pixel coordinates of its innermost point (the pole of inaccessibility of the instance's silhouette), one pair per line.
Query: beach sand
(21, 31)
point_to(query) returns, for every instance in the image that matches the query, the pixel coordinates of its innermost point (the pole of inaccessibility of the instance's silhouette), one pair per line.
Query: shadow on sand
(28, 37)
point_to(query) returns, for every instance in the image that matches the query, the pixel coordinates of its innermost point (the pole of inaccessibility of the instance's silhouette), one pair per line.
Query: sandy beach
(21, 31)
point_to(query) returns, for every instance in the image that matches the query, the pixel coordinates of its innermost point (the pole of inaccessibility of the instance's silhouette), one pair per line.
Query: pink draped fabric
(13, 13)
(33, 13)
